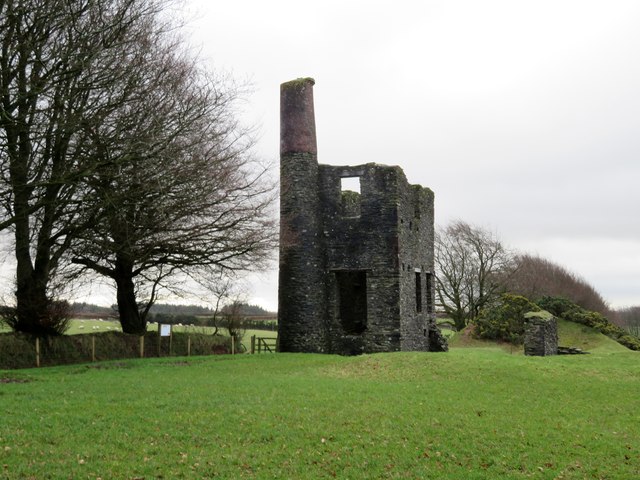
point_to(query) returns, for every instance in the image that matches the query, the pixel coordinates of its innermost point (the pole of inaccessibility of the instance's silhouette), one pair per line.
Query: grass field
(472, 413)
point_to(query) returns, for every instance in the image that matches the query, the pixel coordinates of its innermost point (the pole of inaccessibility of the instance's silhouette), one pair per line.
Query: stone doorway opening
(352, 300)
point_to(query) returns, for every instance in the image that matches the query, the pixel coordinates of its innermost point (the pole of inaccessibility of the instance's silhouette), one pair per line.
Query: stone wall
(540, 334)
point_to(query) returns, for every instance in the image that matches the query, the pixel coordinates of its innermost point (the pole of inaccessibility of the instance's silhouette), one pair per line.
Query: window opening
(352, 300)
(429, 288)
(350, 184)
(418, 292)
(350, 196)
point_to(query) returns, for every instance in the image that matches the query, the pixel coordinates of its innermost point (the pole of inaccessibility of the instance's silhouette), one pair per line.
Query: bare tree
(471, 268)
(177, 191)
(228, 305)
(60, 72)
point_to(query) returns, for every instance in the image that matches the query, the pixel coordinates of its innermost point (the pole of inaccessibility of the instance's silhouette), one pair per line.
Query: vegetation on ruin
(471, 413)
(298, 81)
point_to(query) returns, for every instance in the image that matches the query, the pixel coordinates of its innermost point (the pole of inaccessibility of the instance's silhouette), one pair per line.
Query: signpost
(164, 331)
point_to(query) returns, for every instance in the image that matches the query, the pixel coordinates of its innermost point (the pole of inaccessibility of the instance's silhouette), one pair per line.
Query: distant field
(78, 326)
(472, 413)
(92, 326)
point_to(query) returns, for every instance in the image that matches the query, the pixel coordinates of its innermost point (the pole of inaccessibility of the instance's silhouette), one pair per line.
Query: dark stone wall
(367, 242)
(540, 334)
(301, 288)
(364, 260)
(416, 240)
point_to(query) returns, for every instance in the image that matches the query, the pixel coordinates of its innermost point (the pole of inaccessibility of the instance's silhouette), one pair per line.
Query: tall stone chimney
(301, 296)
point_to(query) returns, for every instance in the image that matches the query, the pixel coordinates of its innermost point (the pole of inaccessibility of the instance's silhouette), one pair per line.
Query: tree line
(120, 157)
(169, 310)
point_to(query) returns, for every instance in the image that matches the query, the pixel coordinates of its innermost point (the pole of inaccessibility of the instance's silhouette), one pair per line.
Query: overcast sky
(522, 116)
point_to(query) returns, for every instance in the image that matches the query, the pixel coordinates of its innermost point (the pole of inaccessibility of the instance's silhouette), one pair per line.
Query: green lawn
(468, 414)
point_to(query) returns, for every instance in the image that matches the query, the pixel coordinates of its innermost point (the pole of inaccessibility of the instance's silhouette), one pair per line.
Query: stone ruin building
(356, 268)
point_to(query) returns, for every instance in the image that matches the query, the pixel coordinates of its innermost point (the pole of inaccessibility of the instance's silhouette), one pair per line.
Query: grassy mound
(570, 334)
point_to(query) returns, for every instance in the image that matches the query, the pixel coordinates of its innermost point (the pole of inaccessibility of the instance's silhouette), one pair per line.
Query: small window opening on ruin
(352, 300)
(350, 196)
(350, 183)
(429, 288)
(418, 291)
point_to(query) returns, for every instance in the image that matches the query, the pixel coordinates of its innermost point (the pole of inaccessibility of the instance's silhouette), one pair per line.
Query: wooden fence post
(37, 352)
(141, 346)
(253, 344)
(93, 348)
(188, 346)
(233, 344)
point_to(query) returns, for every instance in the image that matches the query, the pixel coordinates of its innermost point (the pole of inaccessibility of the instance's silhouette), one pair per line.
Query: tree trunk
(459, 320)
(32, 307)
(130, 318)
(31, 283)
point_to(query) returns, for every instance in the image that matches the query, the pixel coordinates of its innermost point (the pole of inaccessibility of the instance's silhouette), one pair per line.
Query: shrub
(505, 319)
(630, 342)
(556, 306)
(55, 322)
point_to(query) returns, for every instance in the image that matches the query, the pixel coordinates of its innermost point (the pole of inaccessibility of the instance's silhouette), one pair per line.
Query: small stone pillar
(540, 334)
